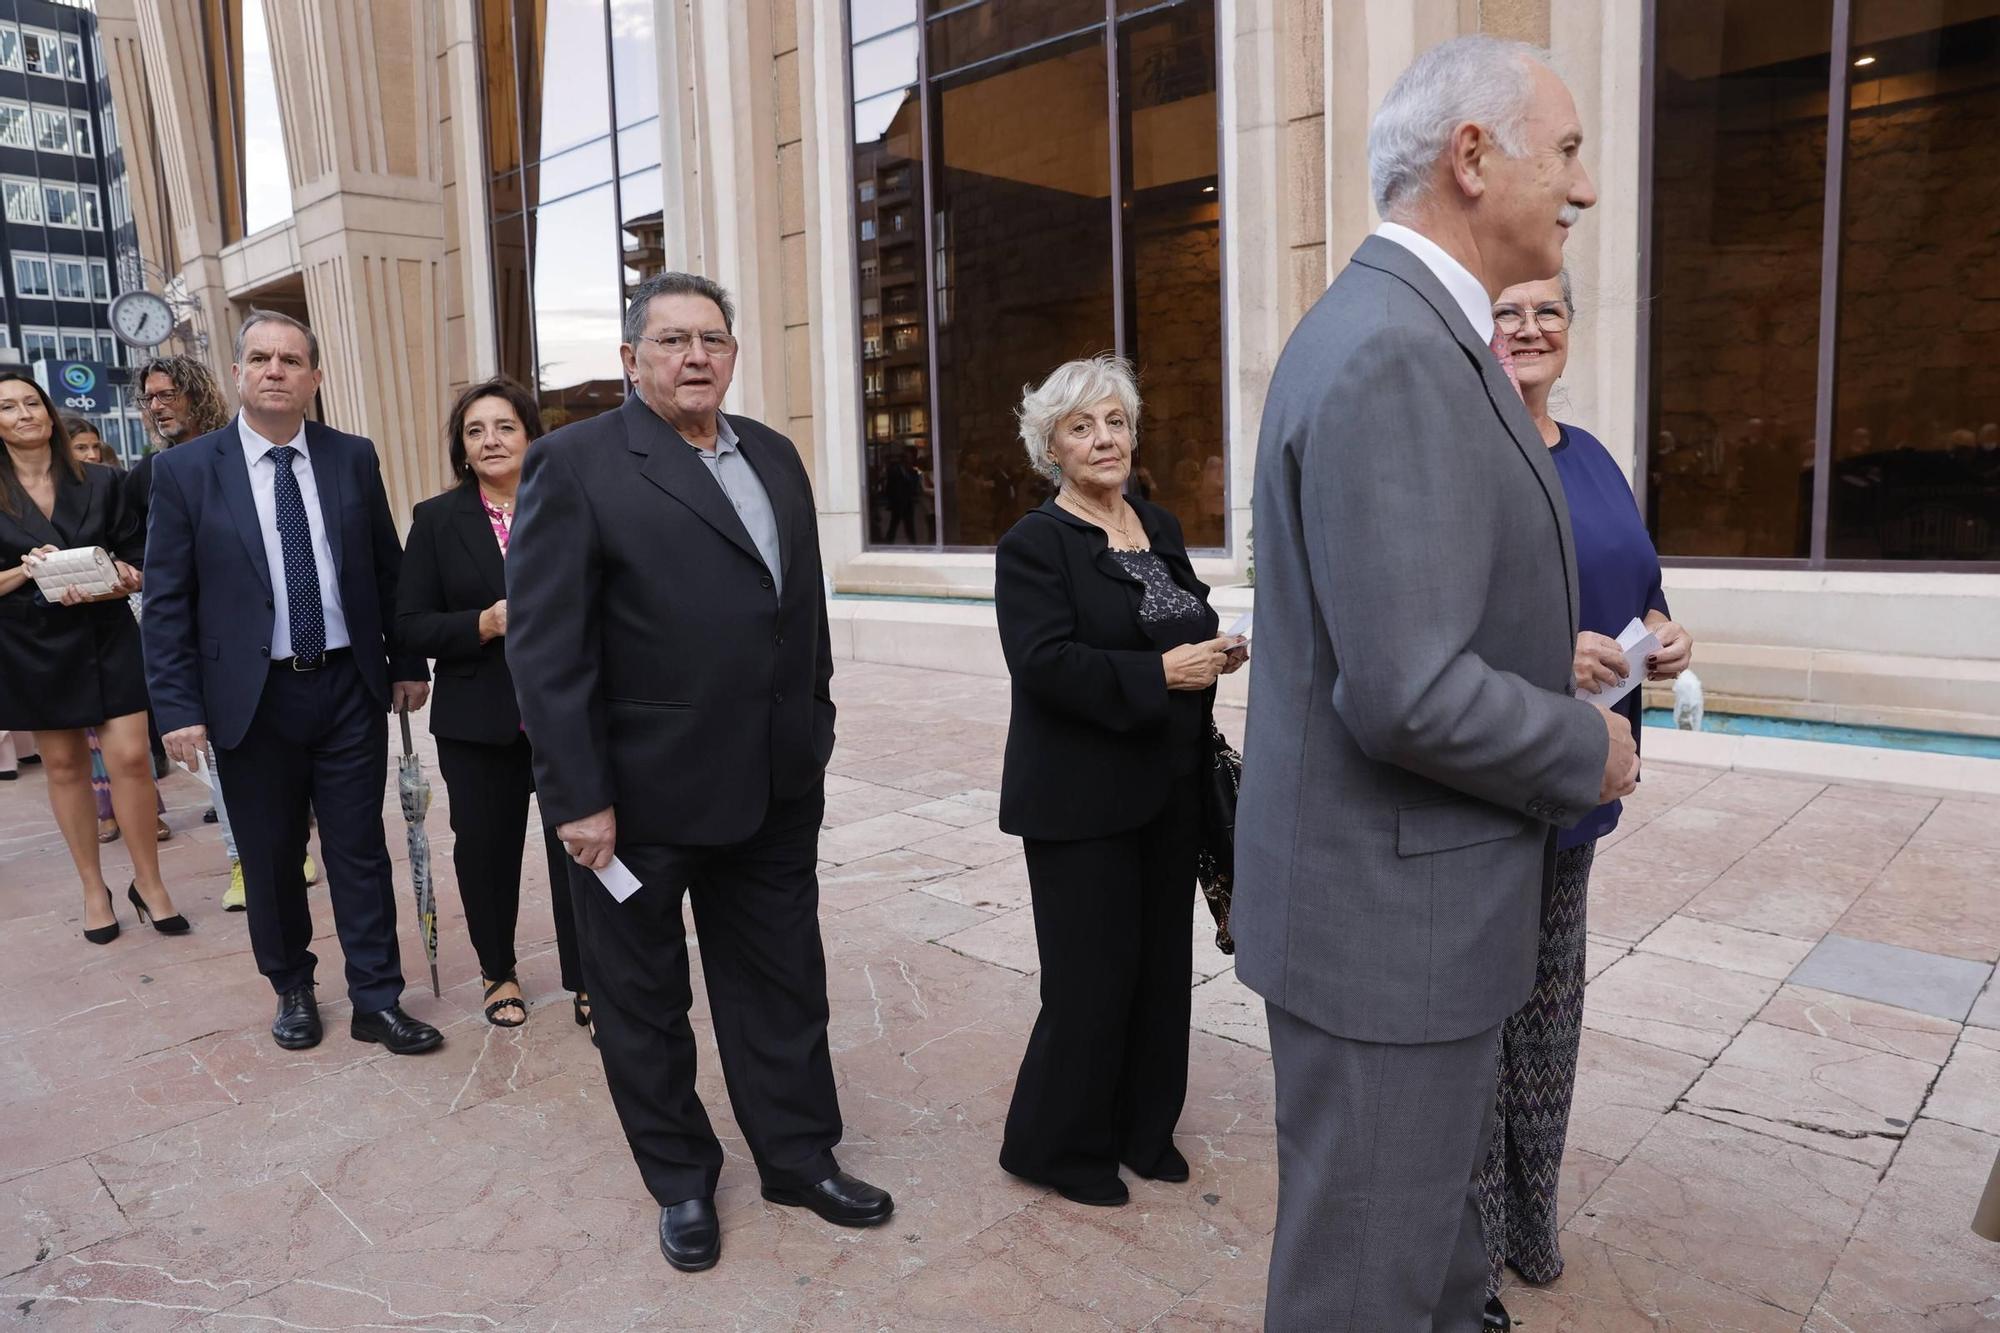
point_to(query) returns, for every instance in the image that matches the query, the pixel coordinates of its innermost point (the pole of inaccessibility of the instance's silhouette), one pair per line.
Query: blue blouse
(1618, 571)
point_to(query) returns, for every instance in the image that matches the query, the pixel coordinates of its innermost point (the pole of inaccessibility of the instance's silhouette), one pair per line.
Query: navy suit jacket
(208, 610)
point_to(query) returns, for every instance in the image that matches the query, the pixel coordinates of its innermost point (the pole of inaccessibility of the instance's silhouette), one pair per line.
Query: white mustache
(1568, 215)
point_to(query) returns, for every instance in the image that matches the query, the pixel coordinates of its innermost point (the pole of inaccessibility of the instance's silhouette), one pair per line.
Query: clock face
(142, 319)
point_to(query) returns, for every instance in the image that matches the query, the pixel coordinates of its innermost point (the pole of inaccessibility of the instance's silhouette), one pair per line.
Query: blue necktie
(308, 613)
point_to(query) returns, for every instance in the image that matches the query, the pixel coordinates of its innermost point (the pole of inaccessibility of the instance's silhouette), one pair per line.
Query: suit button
(265, 651)
(779, 697)
(765, 581)
(270, 605)
(777, 640)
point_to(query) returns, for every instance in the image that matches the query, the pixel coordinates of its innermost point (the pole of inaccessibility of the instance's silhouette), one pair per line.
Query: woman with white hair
(1114, 656)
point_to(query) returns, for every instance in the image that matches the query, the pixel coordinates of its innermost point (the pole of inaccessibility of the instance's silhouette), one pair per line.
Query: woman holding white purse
(75, 663)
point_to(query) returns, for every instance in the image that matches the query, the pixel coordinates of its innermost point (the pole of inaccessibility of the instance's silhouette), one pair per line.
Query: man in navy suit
(270, 588)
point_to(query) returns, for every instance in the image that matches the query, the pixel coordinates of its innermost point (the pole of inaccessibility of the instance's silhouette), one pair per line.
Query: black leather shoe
(839, 1199)
(1495, 1316)
(690, 1237)
(1102, 1194)
(395, 1029)
(297, 1025)
(1169, 1166)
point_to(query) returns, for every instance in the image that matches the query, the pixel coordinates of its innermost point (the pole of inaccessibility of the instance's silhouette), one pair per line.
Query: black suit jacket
(657, 666)
(1090, 744)
(208, 609)
(452, 571)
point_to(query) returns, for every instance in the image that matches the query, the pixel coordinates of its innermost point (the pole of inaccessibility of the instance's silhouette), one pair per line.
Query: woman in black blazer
(75, 665)
(1114, 656)
(451, 605)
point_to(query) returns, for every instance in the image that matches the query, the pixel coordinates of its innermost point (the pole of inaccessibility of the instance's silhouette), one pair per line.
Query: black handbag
(1215, 858)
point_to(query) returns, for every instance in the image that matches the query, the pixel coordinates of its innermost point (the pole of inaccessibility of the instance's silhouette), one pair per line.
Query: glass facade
(574, 191)
(1766, 442)
(1035, 180)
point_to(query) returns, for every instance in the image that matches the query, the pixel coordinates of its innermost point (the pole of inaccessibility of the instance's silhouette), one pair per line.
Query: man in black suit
(270, 586)
(667, 633)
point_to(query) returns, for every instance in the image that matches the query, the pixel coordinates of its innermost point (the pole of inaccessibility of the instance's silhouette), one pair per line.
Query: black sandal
(493, 1009)
(579, 1004)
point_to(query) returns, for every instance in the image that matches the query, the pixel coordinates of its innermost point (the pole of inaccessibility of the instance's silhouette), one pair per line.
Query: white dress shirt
(740, 483)
(1458, 281)
(263, 483)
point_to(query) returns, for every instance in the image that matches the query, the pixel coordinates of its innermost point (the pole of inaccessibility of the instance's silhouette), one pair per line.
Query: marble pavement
(1789, 1097)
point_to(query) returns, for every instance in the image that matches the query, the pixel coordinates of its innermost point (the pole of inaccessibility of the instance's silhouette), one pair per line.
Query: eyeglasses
(677, 342)
(156, 399)
(1510, 320)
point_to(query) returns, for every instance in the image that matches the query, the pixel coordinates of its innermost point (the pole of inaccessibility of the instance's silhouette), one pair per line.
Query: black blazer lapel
(71, 512)
(668, 462)
(232, 478)
(1379, 253)
(787, 505)
(321, 448)
(475, 532)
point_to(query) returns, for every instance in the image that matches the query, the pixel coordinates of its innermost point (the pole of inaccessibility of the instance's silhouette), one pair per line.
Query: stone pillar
(172, 43)
(132, 109)
(358, 91)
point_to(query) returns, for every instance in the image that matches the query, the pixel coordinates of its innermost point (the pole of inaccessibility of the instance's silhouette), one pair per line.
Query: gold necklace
(1116, 523)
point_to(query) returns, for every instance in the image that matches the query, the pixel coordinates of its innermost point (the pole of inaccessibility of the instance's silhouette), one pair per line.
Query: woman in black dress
(75, 665)
(451, 604)
(1114, 657)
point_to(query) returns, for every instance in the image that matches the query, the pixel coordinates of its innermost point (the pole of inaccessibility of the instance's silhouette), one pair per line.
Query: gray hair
(1069, 389)
(1488, 81)
(258, 316)
(1569, 293)
(674, 284)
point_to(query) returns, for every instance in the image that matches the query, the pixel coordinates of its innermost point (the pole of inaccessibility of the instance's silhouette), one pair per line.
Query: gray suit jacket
(1412, 735)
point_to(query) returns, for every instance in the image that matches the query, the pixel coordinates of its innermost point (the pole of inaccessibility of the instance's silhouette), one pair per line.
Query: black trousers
(1105, 1072)
(319, 743)
(756, 906)
(490, 786)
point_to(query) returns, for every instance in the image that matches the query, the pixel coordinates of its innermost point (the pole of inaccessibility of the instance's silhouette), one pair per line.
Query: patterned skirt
(1538, 1046)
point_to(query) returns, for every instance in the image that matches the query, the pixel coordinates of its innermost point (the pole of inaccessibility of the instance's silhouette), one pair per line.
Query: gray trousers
(1379, 1153)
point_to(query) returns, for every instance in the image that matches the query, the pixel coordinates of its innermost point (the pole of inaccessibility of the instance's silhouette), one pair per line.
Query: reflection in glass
(267, 180)
(513, 307)
(895, 347)
(1023, 267)
(1738, 190)
(563, 52)
(1173, 263)
(968, 33)
(644, 228)
(576, 307)
(885, 63)
(1916, 472)
(501, 87)
(871, 18)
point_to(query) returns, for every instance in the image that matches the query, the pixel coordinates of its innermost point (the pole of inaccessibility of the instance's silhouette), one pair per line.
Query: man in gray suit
(1413, 741)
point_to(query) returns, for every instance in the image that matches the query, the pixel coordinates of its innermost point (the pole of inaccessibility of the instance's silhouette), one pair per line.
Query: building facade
(67, 243)
(1788, 313)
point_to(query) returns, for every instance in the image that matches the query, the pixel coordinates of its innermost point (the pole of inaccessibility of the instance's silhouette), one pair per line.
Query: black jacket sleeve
(1120, 689)
(403, 664)
(426, 624)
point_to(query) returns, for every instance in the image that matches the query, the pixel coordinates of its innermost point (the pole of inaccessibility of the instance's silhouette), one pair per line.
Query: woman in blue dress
(1618, 577)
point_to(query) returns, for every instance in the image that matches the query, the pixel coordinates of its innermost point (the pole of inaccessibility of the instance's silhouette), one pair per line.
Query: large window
(1824, 360)
(573, 161)
(1035, 180)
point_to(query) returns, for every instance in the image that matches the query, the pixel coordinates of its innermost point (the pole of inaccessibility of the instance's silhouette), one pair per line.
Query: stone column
(176, 83)
(358, 90)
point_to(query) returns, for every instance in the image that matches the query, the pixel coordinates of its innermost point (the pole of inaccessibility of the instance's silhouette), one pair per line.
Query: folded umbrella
(415, 790)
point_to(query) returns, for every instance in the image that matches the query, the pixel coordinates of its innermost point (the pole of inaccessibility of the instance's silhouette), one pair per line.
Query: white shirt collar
(256, 446)
(1456, 277)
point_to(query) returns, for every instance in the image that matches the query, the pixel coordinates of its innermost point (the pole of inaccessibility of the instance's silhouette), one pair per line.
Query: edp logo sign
(77, 386)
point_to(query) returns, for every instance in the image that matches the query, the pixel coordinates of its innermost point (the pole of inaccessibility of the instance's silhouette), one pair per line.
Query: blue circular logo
(79, 379)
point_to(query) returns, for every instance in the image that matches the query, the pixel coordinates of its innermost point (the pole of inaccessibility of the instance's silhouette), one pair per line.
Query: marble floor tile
(1633, 891)
(1877, 1027)
(1729, 947)
(1786, 891)
(1226, 1007)
(1986, 1009)
(973, 845)
(1928, 983)
(1935, 897)
(954, 810)
(55, 1211)
(1623, 1089)
(1846, 1100)
(1963, 823)
(862, 801)
(1007, 939)
(1968, 1090)
(1604, 1290)
(1687, 1007)
(1763, 1218)
(1600, 952)
(998, 886)
(1754, 793)
(1913, 1264)
(873, 836)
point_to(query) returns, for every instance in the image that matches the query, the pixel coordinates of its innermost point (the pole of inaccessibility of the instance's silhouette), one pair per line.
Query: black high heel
(104, 934)
(166, 925)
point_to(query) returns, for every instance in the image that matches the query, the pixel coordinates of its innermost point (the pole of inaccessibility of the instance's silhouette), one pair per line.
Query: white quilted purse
(88, 569)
